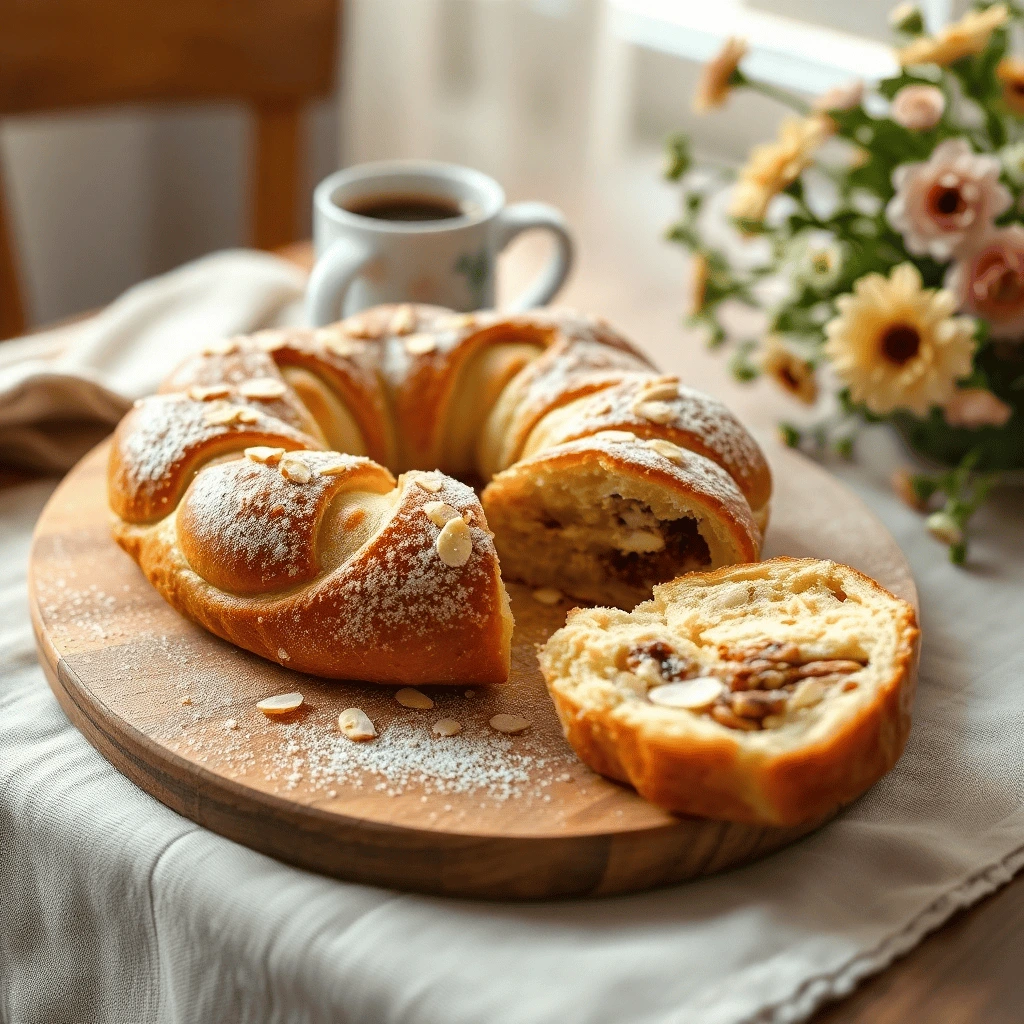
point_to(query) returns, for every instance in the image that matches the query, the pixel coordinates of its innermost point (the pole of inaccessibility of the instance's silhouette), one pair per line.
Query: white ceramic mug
(363, 261)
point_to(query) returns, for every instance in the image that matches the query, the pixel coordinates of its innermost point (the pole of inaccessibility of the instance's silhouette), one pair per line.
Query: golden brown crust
(347, 363)
(661, 407)
(247, 529)
(395, 614)
(164, 440)
(722, 773)
(408, 385)
(586, 359)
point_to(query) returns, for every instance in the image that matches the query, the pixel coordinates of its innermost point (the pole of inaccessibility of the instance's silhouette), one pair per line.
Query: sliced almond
(642, 542)
(725, 716)
(404, 321)
(409, 697)
(614, 436)
(547, 595)
(338, 344)
(649, 671)
(439, 512)
(420, 344)
(356, 725)
(808, 693)
(362, 329)
(270, 341)
(262, 388)
(455, 543)
(280, 704)
(690, 695)
(221, 348)
(209, 392)
(446, 727)
(666, 449)
(334, 468)
(655, 412)
(828, 668)
(431, 484)
(296, 470)
(664, 390)
(509, 724)
(225, 416)
(263, 453)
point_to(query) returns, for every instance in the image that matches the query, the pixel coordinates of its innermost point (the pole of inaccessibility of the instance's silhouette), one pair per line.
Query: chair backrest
(274, 55)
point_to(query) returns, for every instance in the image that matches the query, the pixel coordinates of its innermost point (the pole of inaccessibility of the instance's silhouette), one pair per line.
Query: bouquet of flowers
(893, 216)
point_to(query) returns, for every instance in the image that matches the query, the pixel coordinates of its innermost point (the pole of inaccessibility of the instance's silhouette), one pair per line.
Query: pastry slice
(771, 693)
(607, 517)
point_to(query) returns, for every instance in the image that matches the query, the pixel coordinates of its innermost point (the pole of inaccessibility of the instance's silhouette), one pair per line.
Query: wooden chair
(273, 55)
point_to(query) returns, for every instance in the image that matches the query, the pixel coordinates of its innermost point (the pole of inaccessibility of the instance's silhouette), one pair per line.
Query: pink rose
(976, 407)
(944, 203)
(918, 107)
(988, 281)
(841, 97)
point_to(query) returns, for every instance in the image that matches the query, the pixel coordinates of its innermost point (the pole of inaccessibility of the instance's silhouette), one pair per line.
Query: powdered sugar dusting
(569, 369)
(244, 516)
(695, 420)
(157, 443)
(407, 755)
(402, 580)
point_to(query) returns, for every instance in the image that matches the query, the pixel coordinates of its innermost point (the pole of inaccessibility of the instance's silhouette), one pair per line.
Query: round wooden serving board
(479, 814)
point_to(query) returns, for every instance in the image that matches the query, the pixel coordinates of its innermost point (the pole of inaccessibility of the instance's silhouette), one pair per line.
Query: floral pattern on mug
(475, 267)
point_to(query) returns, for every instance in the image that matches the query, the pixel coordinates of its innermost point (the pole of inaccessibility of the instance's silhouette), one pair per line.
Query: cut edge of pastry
(606, 518)
(806, 741)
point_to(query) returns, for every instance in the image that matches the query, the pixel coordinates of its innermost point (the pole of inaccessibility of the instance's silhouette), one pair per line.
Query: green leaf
(679, 159)
(843, 447)
(791, 437)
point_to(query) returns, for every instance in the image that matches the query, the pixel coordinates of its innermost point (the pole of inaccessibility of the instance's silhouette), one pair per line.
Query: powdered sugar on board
(407, 756)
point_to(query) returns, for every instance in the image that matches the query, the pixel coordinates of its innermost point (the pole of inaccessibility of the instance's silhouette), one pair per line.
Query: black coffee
(405, 207)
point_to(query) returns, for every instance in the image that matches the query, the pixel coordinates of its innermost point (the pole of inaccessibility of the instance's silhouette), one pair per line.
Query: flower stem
(773, 92)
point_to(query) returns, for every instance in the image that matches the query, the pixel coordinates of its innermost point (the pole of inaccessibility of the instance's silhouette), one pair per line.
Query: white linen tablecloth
(115, 909)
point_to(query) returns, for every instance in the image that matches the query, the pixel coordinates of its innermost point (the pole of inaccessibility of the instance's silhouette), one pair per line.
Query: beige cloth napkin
(115, 909)
(61, 391)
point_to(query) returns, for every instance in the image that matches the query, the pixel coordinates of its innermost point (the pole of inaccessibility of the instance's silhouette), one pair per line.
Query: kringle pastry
(771, 693)
(602, 479)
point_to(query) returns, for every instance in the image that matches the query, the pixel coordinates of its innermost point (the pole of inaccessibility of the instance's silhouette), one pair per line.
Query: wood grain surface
(480, 814)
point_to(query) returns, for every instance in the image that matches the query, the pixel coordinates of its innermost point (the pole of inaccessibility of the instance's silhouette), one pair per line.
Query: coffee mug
(420, 231)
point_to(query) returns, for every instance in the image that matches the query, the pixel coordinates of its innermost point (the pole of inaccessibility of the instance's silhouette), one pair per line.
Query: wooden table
(966, 973)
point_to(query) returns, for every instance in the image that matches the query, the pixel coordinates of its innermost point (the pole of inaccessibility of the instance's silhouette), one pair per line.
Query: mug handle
(331, 278)
(520, 217)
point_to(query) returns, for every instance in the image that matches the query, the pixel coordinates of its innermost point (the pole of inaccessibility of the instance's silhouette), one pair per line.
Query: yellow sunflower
(1010, 73)
(773, 166)
(896, 344)
(715, 82)
(792, 373)
(968, 35)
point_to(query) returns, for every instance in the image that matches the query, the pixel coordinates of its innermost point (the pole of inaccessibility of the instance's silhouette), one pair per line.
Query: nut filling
(682, 549)
(749, 688)
(643, 550)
